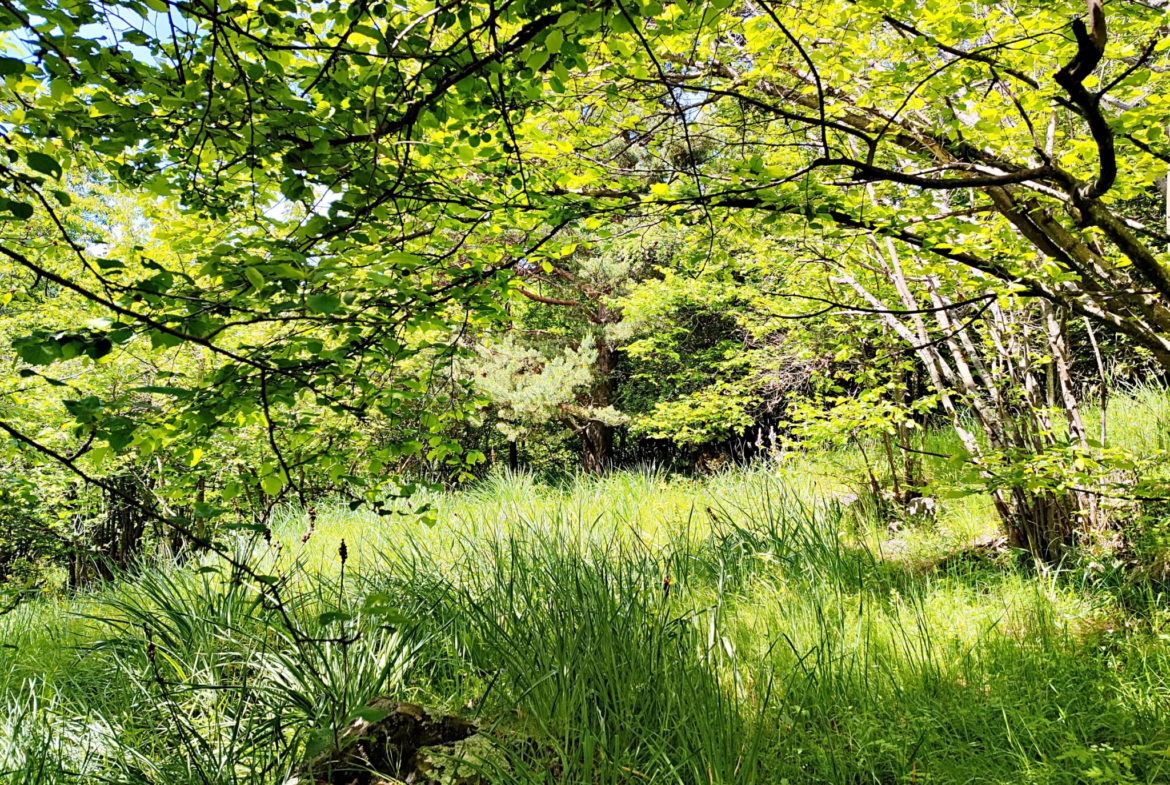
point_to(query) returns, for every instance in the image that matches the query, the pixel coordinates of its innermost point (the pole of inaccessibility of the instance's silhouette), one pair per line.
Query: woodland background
(681, 391)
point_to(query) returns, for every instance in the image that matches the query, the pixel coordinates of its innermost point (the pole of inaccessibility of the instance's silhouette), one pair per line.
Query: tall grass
(632, 629)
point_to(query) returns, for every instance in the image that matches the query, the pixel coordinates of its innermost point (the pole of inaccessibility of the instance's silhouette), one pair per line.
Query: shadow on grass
(777, 652)
(763, 646)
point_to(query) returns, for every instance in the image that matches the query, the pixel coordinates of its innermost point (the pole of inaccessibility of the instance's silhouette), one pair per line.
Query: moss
(468, 762)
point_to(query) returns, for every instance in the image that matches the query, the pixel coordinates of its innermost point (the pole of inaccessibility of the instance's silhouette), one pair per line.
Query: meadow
(746, 627)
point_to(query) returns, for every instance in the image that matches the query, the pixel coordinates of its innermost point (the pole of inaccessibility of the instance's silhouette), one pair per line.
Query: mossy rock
(399, 741)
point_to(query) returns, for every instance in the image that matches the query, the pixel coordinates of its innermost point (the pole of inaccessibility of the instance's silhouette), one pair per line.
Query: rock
(990, 544)
(401, 742)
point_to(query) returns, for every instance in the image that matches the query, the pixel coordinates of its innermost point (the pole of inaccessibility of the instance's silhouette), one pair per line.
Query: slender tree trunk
(76, 557)
(1101, 369)
(998, 381)
(597, 437)
(909, 459)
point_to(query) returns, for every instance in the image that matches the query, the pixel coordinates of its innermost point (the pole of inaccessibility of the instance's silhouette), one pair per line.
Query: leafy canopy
(349, 187)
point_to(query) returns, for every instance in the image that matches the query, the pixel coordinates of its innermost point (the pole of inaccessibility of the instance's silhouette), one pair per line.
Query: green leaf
(231, 490)
(161, 340)
(958, 459)
(10, 66)
(324, 303)
(319, 741)
(45, 164)
(20, 210)
(619, 23)
(537, 59)
(330, 617)
(403, 258)
(254, 277)
(36, 354)
(205, 510)
(272, 484)
(370, 714)
(158, 185)
(259, 528)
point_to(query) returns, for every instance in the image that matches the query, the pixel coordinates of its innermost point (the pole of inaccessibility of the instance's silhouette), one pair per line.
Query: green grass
(786, 650)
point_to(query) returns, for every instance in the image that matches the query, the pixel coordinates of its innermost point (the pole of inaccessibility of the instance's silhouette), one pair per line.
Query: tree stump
(401, 742)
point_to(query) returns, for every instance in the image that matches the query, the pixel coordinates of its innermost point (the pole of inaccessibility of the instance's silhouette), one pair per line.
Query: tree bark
(597, 436)
(597, 445)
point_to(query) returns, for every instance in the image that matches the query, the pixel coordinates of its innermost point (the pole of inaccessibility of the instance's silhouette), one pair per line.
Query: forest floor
(746, 627)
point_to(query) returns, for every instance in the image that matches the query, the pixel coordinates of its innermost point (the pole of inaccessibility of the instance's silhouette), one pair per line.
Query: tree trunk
(596, 447)
(999, 383)
(597, 437)
(116, 538)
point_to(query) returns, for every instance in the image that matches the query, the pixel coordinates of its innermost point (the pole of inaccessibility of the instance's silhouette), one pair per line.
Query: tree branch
(1090, 50)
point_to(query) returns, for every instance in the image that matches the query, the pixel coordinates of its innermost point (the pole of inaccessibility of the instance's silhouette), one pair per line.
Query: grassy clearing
(787, 649)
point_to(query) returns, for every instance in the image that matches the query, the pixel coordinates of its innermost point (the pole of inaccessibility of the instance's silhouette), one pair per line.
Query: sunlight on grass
(746, 627)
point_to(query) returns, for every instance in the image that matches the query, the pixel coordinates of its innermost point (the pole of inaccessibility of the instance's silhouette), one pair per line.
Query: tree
(1032, 146)
(327, 268)
(529, 389)
(360, 182)
(989, 361)
(707, 354)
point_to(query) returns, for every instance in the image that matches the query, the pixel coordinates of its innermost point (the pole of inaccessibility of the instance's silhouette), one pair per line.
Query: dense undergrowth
(744, 628)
